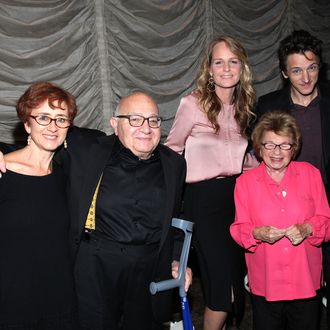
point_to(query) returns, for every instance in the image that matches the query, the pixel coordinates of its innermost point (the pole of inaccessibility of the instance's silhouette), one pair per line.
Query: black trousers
(210, 205)
(300, 314)
(112, 282)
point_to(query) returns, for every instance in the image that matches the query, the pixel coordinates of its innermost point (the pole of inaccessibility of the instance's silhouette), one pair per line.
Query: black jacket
(83, 162)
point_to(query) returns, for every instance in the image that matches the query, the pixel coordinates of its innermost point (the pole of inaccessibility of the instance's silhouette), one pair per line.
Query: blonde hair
(244, 95)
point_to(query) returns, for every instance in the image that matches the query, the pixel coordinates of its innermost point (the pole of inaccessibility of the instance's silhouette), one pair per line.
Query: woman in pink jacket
(210, 127)
(282, 215)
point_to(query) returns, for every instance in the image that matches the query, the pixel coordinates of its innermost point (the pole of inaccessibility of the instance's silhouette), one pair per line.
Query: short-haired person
(308, 100)
(36, 271)
(132, 244)
(282, 218)
(210, 128)
(304, 97)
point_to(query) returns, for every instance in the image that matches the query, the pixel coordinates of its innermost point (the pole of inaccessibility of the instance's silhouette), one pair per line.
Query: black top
(130, 201)
(36, 277)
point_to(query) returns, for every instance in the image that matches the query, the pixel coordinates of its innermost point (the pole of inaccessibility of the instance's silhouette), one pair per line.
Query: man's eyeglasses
(311, 69)
(272, 146)
(44, 120)
(138, 120)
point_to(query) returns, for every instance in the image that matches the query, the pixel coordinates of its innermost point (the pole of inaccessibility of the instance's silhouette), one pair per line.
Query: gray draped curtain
(101, 50)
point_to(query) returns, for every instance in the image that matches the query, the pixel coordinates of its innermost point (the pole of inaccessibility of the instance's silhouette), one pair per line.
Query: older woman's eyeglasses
(44, 120)
(272, 146)
(138, 120)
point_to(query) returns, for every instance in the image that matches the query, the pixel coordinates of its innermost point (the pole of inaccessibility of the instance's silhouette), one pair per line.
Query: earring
(65, 144)
(210, 85)
(28, 139)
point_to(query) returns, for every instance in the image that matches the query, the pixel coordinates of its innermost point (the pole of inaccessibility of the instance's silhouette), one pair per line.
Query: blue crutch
(187, 227)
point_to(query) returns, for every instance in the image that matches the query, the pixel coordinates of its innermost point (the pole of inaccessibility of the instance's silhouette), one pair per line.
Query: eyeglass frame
(278, 145)
(51, 120)
(128, 117)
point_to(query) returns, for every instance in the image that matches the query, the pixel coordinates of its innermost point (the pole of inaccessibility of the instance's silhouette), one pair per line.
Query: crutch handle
(163, 285)
(155, 287)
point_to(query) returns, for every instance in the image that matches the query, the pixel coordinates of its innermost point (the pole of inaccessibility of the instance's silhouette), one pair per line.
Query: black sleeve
(76, 136)
(177, 233)
(259, 109)
(5, 148)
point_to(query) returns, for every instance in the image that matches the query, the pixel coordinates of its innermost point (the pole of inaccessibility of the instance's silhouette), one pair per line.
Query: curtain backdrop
(101, 50)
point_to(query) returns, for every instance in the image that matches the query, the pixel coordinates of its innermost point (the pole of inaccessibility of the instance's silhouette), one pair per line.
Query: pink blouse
(208, 155)
(281, 271)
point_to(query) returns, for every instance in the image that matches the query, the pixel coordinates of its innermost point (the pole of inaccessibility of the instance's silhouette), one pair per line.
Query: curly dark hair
(298, 42)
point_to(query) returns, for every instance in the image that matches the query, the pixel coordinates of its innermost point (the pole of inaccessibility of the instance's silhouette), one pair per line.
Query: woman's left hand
(298, 232)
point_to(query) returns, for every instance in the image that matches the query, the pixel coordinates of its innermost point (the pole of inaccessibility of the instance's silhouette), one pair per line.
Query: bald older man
(140, 185)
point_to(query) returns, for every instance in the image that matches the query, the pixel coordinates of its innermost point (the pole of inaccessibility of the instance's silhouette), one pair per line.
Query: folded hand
(268, 234)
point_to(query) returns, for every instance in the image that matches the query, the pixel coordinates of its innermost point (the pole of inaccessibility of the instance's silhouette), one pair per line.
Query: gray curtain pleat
(101, 50)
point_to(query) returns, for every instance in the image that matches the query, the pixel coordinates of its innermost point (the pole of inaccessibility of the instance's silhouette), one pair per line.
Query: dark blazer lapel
(170, 186)
(325, 120)
(285, 100)
(99, 153)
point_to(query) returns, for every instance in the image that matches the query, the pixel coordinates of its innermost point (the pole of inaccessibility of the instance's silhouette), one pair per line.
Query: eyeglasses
(138, 120)
(311, 69)
(44, 120)
(273, 146)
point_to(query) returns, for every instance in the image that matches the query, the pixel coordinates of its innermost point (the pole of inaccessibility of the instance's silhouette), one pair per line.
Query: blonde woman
(211, 128)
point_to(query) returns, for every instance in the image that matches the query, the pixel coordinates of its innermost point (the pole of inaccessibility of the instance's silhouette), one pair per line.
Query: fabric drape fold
(101, 50)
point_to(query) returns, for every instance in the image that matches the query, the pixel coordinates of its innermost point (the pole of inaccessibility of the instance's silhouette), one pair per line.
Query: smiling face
(49, 137)
(276, 160)
(143, 140)
(302, 71)
(225, 66)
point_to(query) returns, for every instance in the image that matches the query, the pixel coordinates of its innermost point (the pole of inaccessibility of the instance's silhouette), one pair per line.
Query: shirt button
(282, 210)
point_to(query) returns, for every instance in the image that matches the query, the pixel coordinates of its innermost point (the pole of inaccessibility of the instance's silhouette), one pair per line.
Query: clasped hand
(295, 233)
(188, 274)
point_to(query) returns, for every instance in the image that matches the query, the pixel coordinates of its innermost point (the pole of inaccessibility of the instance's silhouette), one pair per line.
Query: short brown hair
(281, 123)
(38, 93)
